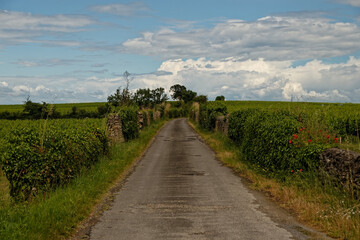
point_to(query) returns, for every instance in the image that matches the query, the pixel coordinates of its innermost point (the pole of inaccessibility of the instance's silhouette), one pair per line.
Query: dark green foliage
(121, 97)
(104, 109)
(176, 112)
(182, 94)
(35, 160)
(220, 98)
(158, 96)
(209, 112)
(188, 96)
(129, 120)
(177, 91)
(149, 98)
(201, 99)
(265, 140)
(142, 97)
(145, 116)
(237, 121)
(151, 115)
(37, 111)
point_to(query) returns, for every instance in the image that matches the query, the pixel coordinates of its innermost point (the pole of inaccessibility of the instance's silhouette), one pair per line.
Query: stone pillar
(157, 115)
(222, 124)
(148, 118)
(140, 120)
(114, 129)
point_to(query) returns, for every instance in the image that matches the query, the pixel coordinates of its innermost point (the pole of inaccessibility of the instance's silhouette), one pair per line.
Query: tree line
(141, 98)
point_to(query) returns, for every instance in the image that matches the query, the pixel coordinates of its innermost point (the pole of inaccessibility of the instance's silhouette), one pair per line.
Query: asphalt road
(179, 190)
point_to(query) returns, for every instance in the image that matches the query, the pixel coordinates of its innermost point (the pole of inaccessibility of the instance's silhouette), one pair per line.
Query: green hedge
(209, 112)
(36, 159)
(129, 121)
(275, 141)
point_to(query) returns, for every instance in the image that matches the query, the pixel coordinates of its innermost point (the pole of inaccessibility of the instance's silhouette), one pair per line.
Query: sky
(280, 50)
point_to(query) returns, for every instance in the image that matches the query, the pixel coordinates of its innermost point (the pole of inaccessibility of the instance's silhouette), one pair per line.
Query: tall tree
(178, 91)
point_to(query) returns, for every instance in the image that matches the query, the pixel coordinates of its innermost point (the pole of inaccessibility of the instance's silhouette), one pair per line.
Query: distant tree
(220, 98)
(201, 99)
(158, 96)
(103, 109)
(142, 97)
(122, 97)
(188, 96)
(178, 91)
(37, 110)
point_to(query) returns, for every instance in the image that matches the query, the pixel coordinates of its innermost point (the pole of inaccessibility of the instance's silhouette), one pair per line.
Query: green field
(63, 108)
(342, 108)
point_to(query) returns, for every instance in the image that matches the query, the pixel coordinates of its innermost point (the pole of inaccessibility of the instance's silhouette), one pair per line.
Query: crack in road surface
(179, 190)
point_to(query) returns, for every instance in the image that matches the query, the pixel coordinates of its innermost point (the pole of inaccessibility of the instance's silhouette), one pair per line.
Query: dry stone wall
(342, 165)
(222, 124)
(114, 128)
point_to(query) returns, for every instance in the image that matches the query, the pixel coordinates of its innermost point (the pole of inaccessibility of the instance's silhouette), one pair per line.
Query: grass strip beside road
(323, 207)
(58, 216)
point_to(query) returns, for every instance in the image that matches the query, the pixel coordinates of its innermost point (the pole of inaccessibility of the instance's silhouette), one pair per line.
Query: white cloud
(235, 78)
(56, 23)
(355, 3)
(124, 10)
(20, 27)
(272, 38)
(52, 62)
(260, 79)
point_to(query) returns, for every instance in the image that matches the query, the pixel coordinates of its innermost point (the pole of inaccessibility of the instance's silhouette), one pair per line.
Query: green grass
(58, 215)
(322, 206)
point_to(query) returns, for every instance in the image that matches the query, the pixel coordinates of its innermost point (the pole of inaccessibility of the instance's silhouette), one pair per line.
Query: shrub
(129, 121)
(209, 112)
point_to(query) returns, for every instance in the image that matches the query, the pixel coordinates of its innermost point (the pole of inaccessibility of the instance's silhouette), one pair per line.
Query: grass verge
(321, 206)
(57, 216)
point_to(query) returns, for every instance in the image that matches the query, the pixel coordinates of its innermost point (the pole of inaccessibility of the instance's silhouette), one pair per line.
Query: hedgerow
(209, 112)
(266, 139)
(37, 160)
(129, 120)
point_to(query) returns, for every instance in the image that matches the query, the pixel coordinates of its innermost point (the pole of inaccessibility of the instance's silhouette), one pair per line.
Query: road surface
(179, 190)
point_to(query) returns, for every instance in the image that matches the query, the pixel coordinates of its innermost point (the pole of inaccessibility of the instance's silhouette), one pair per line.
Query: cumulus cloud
(260, 79)
(124, 10)
(272, 38)
(235, 78)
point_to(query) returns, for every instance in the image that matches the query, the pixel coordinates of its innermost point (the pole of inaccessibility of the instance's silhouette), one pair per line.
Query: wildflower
(292, 171)
(300, 170)
(309, 140)
(336, 140)
(290, 141)
(295, 136)
(328, 136)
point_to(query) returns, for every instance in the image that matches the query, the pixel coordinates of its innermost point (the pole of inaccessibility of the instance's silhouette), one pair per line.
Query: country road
(179, 190)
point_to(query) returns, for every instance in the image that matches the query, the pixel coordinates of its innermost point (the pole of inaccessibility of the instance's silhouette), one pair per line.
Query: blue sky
(77, 51)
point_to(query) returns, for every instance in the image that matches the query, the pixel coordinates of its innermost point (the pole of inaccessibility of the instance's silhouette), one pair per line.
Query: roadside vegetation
(57, 214)
(56, 165)
(278, 150)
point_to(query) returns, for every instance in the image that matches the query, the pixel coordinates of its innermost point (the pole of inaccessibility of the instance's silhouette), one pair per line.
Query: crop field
(63, 108)
(340, 108)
